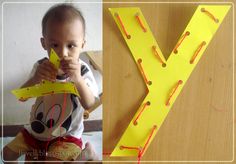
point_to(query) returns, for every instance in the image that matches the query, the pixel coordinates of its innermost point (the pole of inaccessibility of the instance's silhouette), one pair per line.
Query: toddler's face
(67, 39)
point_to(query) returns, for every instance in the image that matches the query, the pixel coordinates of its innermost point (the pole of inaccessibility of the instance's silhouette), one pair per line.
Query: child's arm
(87, 98)
(72, 67)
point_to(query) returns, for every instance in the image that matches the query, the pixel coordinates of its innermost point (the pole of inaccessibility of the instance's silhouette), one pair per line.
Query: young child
(56, 121)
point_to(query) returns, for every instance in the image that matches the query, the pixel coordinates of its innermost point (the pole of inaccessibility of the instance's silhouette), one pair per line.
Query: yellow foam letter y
(164, 79)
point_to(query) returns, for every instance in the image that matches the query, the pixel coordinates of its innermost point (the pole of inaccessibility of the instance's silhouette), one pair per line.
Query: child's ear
(83, 43)
(43, 43)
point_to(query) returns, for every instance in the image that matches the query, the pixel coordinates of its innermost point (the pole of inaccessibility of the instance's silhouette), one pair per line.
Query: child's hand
(45, 71)
(23, 99)
(71, 66)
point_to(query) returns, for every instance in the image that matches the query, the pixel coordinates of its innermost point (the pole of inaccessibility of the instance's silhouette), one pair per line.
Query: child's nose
(63, 53)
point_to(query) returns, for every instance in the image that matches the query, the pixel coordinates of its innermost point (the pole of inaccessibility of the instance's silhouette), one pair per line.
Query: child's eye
(71, 46)
(54, 45)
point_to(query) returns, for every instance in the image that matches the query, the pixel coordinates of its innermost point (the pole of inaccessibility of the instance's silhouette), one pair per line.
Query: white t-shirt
(59, 114)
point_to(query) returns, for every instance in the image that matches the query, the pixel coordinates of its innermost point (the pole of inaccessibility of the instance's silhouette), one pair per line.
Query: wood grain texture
(199, 126)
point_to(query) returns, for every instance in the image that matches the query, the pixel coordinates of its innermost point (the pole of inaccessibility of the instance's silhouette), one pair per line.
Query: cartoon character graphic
(51, 115)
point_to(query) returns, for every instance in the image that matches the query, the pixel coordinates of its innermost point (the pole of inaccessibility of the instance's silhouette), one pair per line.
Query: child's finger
(45, 68)
(50, 66)
(46, 75)
(74, 66)
(67, 60)
(70, 63)
(70, 71)
(23, 99)
(47, 78)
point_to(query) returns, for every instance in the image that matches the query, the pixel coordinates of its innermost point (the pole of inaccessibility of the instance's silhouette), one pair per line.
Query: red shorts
(66, 148)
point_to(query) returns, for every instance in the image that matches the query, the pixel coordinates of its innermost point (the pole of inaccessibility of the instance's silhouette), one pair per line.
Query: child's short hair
(62, 13)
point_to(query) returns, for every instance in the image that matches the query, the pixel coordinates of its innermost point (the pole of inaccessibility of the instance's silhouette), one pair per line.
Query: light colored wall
(22, 48)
